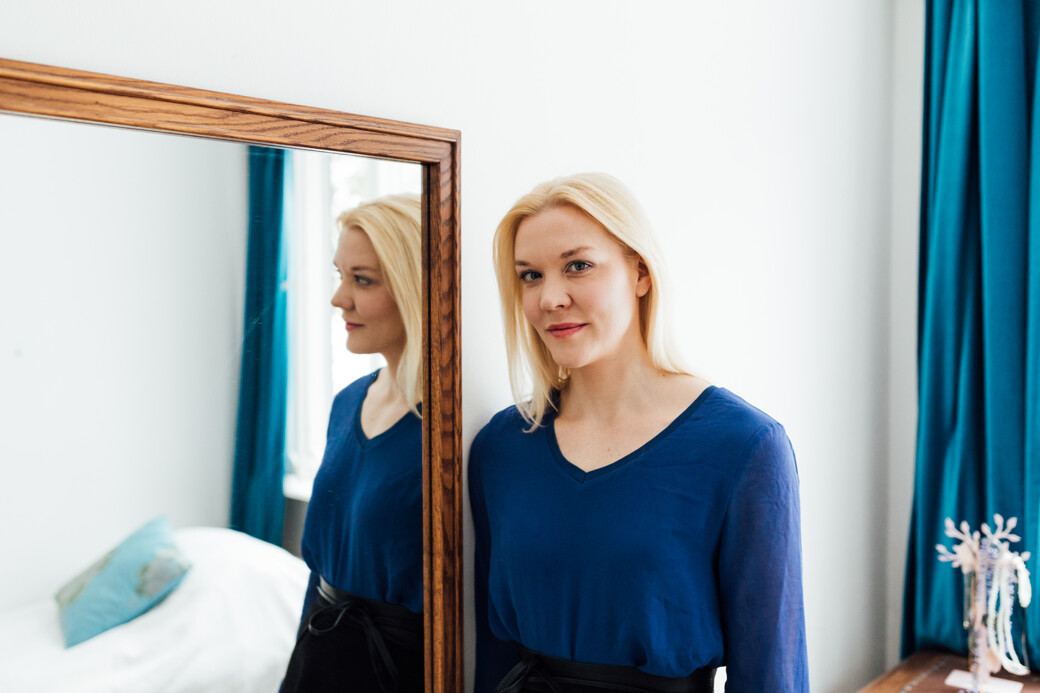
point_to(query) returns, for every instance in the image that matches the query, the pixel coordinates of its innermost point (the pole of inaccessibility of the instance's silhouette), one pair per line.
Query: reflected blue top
(363, 530)
(683, 554)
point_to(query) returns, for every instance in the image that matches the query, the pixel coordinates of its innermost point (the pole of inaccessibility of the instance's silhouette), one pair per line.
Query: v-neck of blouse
(581, 476)
(359, 432)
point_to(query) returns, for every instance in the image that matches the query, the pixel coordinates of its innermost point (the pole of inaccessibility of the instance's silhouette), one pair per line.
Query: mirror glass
(124, 312)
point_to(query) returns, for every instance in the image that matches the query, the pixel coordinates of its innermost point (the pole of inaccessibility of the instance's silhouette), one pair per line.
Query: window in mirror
(324, 186)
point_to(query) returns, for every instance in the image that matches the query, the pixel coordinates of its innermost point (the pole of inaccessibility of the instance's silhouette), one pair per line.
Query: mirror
(215, 240)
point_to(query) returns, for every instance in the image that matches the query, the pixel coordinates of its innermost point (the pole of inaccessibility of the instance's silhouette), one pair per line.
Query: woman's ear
(643, 281)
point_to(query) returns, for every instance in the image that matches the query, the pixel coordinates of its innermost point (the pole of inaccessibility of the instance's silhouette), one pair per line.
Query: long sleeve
(308, 597)
(760, 573)
(494, 657)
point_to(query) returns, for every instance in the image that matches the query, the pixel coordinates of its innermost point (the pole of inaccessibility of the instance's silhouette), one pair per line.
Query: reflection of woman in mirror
(362, 619)
(636, 526)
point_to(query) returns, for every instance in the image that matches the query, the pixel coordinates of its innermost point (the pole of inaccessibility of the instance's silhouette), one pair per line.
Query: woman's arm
(308, 598)
(494, 657)
(760, 573)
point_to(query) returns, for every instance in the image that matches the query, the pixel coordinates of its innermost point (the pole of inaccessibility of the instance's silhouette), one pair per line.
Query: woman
(362, 619)
(636, 526)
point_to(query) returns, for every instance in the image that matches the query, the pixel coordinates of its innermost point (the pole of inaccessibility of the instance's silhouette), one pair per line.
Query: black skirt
(539, 673)
(347, 643)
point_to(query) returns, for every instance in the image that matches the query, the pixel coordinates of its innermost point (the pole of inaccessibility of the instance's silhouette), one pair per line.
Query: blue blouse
(684, 554)
(363, 531)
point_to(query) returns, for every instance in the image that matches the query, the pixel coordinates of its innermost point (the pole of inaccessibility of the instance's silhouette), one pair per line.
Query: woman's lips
(564, 329)
(353, 326)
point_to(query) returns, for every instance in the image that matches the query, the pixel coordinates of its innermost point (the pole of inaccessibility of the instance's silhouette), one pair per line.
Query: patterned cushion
(123, 584)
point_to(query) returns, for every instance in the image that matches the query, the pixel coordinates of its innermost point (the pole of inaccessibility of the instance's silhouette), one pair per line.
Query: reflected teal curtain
(978, 446)
(257, 500)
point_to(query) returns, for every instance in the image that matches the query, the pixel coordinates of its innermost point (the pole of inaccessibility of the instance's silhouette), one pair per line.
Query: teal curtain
(978, 445)
(257, 500)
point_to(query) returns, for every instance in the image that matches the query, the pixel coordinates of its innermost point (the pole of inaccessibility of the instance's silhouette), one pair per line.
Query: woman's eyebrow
(363, 268)
(575, 251)
(563, 256)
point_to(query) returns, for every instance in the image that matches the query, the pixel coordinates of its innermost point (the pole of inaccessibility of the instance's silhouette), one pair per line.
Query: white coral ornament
(991, 573)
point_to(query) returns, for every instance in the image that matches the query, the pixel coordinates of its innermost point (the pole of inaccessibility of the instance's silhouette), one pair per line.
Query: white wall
(907, 104)
(757, 135)
(121, 298)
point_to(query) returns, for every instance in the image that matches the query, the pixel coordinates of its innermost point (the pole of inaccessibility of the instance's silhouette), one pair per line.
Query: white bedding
(230, 626)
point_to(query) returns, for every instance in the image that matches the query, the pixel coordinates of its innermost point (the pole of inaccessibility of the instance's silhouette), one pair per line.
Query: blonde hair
(394, 225)
(608, 202)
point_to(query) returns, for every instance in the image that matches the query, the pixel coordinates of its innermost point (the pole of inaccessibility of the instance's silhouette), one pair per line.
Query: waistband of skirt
(612, 677)
(383, 612)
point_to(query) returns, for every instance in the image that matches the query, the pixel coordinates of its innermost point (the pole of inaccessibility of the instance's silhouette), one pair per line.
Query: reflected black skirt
(539, 673)
(348, 643)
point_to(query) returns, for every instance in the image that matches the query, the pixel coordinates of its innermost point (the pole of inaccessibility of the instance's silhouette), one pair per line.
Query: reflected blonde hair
(394, 225)
(608, 202)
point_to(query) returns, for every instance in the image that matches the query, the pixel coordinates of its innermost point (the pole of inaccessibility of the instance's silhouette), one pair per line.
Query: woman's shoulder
(355, 392)
(738, 420)
(493, 437)
(507, 430)
(756, 444)
(505, 422)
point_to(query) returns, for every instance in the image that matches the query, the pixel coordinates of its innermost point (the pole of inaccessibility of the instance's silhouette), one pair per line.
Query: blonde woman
(362, 622)
(636, 526)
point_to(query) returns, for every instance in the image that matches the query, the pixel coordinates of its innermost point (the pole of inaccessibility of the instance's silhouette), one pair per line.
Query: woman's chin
(360, 348)
(570, 360)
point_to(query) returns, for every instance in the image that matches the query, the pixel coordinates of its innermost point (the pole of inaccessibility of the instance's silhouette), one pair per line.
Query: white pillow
(230, 627)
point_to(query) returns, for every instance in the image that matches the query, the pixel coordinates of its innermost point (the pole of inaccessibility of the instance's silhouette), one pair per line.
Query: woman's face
(373, 321)
(580, 292)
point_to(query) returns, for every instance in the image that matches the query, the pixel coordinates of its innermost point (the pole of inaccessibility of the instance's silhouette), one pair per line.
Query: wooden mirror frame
(41, 90)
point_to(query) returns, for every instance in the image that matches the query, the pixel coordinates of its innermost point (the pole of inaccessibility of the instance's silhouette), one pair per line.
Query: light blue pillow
(123, 584)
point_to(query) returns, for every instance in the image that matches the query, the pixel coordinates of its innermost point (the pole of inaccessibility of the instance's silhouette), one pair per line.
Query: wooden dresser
(924, 672)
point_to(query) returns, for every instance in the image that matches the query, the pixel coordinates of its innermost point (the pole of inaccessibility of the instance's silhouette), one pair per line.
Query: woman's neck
(386, 389)
(393, 362)
(608, 390)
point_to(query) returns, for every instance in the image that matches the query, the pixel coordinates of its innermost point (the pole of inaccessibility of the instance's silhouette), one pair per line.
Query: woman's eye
(529, 276)
(578, 266)
(361, 280)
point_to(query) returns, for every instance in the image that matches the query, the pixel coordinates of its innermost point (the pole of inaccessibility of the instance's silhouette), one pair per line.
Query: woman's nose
(554, 295)
(341, 298)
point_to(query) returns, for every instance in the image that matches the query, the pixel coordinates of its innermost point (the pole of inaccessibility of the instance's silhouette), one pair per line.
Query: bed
(229, 626)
